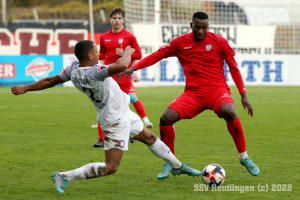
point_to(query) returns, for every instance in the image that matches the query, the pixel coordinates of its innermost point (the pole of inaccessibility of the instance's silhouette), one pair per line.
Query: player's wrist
(133, 68)
(243, 94)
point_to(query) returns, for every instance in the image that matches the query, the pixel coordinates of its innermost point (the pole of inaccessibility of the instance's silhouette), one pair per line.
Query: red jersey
(202, 61)
(109, 41)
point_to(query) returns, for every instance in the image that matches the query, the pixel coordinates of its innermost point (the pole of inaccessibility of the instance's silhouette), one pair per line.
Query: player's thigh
(188, 105)
(217, 98)
(136, 125)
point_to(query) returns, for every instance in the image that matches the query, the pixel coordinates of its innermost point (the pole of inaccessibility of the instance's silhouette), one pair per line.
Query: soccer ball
(213, 175)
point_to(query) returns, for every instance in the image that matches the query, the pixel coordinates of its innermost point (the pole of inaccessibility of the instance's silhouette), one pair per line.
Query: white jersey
(104, 92)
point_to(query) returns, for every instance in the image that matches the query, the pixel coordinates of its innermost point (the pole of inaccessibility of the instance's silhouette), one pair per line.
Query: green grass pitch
(47, 131)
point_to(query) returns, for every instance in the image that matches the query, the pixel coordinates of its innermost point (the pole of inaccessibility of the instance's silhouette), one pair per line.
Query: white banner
(243, 39)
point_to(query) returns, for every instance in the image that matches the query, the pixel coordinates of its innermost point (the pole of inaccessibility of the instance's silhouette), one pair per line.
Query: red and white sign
(39, 68)
(36, 68)
(7, 70)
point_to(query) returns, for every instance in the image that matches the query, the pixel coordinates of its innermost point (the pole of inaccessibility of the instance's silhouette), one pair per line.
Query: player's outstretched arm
(122, 63)
(39, 85)
(128, 72)
(246, 104)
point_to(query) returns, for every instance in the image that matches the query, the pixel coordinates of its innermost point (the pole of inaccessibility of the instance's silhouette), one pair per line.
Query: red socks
(140, 108)
(236, 131)
(167, 134)
(100, 132)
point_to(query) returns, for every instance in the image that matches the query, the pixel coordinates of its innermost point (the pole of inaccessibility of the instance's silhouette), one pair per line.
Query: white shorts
(116, 135)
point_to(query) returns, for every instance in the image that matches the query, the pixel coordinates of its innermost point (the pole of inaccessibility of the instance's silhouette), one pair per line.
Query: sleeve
(65, 74)
(235, 73)
(166, 51)
(228, 55)
(137, 55)
(99, 72)
(102, 50)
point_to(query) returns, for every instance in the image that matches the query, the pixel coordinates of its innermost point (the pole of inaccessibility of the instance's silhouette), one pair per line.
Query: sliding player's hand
(128, 72)
(246, 104)
(19, 89)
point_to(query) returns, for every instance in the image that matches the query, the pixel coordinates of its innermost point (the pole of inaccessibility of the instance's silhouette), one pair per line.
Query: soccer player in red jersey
(202, 54)
(112, 45)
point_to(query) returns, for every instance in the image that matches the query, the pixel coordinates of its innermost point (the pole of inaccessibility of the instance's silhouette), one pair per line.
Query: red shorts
(190, 103)
(125, 87)
(131, 88)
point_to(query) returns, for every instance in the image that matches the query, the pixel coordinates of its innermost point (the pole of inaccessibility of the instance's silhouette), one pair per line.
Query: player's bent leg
(227, 111)
(158, 148)
(91, 170)
(112, 160)
(167, 133)
(169, 117)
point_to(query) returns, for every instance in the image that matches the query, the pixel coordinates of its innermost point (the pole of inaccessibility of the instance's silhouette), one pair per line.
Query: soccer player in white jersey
(117, 121)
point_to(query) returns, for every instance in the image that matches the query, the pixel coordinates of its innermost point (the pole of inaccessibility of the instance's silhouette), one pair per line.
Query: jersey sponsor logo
(62, 72)
(188, 47)
(208, 47)
(120, 40)
(39, 68)
(107, 40)
(100, 68)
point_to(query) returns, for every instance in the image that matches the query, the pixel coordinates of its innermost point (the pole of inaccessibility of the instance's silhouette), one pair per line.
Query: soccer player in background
(202, 54)
(117, 121)
(112, 45)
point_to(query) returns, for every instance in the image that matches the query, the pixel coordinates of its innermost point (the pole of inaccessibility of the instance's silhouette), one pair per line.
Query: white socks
(146, 120)
(243, 155)
(161, 150)
(92, 170)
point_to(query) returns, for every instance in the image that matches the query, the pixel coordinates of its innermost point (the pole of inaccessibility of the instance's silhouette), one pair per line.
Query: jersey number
(91, 95)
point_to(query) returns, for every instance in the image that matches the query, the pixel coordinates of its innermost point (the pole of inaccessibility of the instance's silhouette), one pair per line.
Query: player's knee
(146, 137)
(165, 120)
(152, 139)
(112, 169)
(229, 115)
